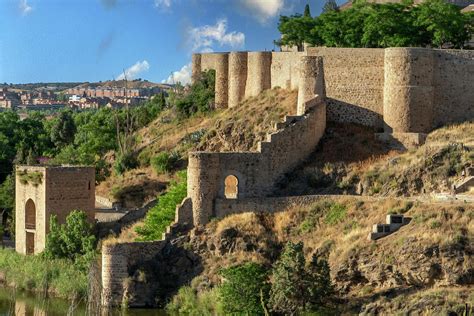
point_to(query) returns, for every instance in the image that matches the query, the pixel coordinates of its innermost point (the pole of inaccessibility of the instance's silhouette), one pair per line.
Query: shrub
(189, 302)
(336, 214)
(200, 96)
(164, 162)
(163, 214)
(73, 240)
(245, 289)
(297, 288)
(125, 162)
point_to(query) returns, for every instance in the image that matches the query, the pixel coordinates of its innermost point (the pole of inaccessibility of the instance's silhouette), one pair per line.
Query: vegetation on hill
(426, 265)
(373, 168)
(435, 23)
(163, 145)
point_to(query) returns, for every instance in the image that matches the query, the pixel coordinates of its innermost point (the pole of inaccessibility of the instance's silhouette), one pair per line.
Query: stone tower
(42, 191)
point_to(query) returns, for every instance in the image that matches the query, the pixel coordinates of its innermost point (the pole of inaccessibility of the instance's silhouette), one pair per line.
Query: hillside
(428, 265)
(371, 168)
(221, 130)
(131, 84)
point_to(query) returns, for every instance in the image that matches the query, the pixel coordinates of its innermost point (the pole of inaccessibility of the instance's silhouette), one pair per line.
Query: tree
(245, 289)
(73, 240)
(295, 287)
(296, 31)
(63, 130)
(329, 6)
(7, 203)
(307, 11)
(444, 22)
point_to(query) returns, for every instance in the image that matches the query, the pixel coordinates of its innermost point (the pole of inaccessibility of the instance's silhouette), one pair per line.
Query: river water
(27, 304)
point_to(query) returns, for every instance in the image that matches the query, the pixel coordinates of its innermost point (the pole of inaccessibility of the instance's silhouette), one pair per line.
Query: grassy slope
(426, 261)
(224, 130)
(349, 154)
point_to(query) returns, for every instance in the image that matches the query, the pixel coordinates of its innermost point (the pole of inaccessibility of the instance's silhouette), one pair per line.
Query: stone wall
(62, 190)
(402, 90)
(258, 172)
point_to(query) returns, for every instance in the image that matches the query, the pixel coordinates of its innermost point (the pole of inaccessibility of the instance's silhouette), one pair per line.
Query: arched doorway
(30, 226)
(231, 184)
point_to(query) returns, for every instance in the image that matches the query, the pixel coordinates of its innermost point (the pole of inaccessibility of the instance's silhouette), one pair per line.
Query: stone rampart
(400, 90)
(256, 173)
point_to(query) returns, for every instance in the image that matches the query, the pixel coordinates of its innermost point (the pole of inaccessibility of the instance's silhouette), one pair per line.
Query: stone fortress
(403, 93)
(42, 191)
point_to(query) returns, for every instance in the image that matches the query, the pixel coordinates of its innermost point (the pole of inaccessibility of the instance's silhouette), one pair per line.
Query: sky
(98, 40)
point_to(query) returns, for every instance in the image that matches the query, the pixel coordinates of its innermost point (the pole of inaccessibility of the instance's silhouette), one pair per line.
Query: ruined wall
(258, 172)
(119, 262)
(62, 190)
(354, 84)
(220, 63)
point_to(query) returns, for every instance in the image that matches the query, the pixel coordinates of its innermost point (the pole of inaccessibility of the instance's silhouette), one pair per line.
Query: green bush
(164, 162)
(245, 289)
(189, 302)
(163, 214)
(297, 288)
(337, 212)
(73, 241)
(199, 98)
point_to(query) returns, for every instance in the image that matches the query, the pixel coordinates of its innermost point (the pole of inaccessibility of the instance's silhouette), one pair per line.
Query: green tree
(245, 289)
(296, 31)
(199, 98)
(444, 22)
(63, 129)
(73, 240)
(307, 11)
(7, 203)
(297, 288)
(330, 5)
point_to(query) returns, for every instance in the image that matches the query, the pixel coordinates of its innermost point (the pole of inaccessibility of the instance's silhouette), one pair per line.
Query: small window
(231, 187)
(89, 186)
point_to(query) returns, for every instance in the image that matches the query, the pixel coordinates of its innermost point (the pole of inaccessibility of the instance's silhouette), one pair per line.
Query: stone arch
(30, 214)
(231, 187)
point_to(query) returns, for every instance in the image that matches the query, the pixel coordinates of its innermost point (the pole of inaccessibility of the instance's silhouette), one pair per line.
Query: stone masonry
(42, 191)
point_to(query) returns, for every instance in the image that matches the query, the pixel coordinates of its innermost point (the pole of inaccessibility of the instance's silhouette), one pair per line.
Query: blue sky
(92, 40)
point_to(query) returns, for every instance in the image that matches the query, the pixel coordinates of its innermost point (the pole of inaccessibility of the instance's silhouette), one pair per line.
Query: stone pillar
(203, 181)
(222, 80)
(408, 90)
(114, 273)
(237, 77)
(196, 67)
(311, 83)
(258, 73)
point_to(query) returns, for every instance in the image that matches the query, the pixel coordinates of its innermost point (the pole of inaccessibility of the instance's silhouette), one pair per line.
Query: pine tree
(307, 11)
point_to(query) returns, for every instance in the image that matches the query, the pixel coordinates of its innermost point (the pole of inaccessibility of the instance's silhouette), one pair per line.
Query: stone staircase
(464, 185)
(393, 223)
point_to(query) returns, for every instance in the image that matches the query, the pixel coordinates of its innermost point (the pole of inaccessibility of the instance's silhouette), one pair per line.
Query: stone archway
(231, 184)
(30, 226)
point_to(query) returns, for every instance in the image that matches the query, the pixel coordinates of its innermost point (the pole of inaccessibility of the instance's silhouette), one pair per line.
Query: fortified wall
(231, 176)
(42, 191)
(395, 90)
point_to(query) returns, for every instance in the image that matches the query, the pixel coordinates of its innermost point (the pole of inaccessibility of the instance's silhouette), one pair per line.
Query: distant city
(82, 96)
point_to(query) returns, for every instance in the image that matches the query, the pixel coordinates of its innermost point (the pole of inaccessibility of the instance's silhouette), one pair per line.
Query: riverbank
(54, 277)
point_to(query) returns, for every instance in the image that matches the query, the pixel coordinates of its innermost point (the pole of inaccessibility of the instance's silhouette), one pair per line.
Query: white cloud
(263, 9)
(183, 75)
(203, 38)
(25, 8)
(163, 4)
(133, 71)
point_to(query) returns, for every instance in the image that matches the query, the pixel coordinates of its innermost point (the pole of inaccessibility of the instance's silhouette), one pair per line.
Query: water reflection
(15, 303)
